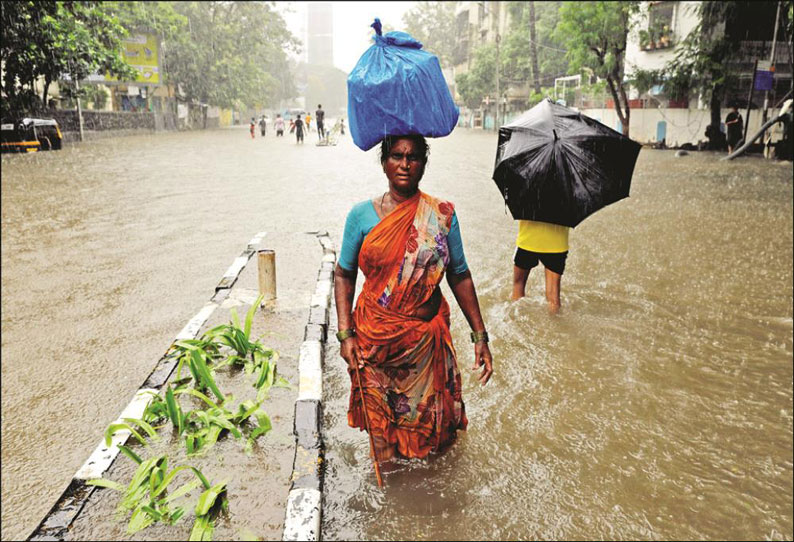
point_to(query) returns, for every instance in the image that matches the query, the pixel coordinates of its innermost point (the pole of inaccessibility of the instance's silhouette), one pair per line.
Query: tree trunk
(624, 118)
(627, 114)
(533, 47)
(715, 136)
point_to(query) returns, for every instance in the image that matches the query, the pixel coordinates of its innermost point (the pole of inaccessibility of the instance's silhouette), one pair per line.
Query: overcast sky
(352, 32)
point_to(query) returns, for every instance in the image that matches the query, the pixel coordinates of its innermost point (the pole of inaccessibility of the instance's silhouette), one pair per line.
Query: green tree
(49, 40)
(232, 54)
(548, 60)
(433, 23)
(595, 33)
(479, 81)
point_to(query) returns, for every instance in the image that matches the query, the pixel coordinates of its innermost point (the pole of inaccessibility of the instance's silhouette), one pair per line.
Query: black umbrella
(556, 165)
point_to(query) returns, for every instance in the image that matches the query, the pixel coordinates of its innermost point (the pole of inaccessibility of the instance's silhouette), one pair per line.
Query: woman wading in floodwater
(398, 337)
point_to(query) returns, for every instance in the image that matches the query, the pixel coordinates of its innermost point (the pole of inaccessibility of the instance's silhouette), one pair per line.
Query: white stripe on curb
(311, 371)
(192, 328)
(324, 288)
(303, 515)
(256, 240)
(237, 266)
(103, 455)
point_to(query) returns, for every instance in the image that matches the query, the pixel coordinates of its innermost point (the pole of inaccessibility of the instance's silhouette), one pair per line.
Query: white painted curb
(99, 461)
(303, 515)
(311, 371)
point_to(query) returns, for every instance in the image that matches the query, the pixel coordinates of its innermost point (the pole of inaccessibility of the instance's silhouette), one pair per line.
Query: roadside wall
(102, 124)
(677, 126)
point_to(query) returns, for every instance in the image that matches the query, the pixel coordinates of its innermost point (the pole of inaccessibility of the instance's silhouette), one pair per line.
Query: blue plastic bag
(398, 89)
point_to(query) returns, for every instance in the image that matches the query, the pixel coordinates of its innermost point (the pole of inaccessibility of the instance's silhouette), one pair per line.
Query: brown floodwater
(657, 404)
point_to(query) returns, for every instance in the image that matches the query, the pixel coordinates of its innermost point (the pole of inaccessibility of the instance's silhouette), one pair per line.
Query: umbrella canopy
(556, 165)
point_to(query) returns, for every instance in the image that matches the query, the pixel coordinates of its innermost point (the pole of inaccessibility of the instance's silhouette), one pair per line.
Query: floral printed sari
(411, 381)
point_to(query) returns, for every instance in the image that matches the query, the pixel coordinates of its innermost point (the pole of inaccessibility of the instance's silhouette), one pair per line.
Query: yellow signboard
(142, 52)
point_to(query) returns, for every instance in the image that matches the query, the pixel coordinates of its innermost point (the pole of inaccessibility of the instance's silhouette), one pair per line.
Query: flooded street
(657, 404)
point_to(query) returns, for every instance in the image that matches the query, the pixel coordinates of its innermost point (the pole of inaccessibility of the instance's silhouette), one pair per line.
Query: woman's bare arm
(344, 290)
(462, 287)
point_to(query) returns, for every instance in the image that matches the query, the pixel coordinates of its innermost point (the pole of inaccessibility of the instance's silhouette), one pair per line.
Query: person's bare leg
(520, 277)
(553, 290)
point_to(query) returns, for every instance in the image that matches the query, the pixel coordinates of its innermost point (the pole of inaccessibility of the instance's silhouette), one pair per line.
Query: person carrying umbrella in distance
(406, 388)
(554, 168)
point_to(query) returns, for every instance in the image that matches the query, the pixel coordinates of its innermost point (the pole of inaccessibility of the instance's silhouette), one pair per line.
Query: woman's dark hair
(420, 144)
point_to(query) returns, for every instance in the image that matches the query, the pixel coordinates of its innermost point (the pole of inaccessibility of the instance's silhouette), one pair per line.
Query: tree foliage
(228, 54)
(595, 34)
(516, 45)
(479, 81)
(49, 40)
(232, 54)
(514, 55)
(433, 23)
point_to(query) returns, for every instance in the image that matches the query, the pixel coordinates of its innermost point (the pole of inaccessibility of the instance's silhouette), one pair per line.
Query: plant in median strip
(146, 493)
(200, 428)
(210, 504)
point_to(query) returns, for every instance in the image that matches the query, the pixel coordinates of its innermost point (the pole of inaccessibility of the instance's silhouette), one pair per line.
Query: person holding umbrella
(554, 168)
(406, 386)
(545, 243)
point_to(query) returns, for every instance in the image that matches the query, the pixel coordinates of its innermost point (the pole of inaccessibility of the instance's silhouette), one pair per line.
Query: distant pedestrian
(342, 125)
(262, 125)
(308, 122)
(320, 116)
(252, 127)
(279, 125)
(298, 130)
(735, 125)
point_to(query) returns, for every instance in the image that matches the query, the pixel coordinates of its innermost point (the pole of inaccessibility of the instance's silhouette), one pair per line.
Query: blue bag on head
(397, 89)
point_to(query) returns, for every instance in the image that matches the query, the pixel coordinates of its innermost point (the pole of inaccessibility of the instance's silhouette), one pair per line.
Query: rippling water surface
(658, 404)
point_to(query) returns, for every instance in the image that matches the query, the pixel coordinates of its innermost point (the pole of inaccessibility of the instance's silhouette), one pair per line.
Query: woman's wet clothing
(412, 385)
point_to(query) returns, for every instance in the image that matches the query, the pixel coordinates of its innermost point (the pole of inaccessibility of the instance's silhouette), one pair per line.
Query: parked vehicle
(31, 135)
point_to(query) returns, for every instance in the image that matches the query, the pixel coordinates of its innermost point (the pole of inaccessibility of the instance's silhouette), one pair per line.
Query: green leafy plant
(146, 494)
(210, 505)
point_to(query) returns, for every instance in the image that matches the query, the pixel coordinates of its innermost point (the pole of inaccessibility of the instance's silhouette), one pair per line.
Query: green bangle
(343, 334)
(477, 336)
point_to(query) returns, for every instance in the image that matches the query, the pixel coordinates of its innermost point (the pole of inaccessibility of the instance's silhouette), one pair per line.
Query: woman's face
(404, 167)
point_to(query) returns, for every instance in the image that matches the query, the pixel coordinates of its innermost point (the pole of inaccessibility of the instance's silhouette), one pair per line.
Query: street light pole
(79, 106)
(496, 120)
(771, 63)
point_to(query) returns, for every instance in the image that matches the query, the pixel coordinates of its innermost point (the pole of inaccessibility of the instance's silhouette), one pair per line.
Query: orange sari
(411, 380)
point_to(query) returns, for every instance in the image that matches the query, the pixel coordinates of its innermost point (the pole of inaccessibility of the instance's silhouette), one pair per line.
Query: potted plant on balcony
(664, 39)
(645, 40)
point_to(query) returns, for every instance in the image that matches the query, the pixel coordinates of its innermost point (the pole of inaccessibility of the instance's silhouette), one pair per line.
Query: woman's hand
(482, 356)
(350, 352)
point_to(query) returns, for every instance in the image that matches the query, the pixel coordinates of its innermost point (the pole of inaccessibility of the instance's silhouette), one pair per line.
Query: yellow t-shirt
(542, 236)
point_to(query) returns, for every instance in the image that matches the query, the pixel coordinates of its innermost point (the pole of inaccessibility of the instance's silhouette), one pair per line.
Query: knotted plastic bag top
(396, 88)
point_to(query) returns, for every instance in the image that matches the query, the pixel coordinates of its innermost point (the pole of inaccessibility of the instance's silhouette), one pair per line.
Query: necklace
(381, 204)
(383, 197)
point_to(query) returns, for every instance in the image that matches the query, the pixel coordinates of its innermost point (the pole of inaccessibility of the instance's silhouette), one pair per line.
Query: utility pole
(498, 96)
(750, 100)
(771, 63)
(79, 106)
